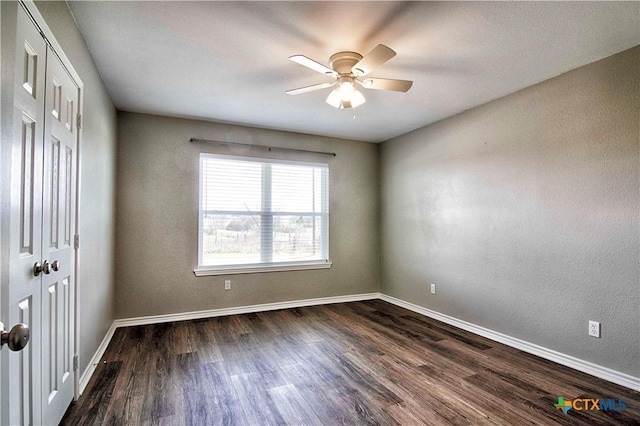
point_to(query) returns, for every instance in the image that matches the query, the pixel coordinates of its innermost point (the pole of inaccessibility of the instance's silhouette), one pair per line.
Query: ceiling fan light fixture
(358, 99)
(334, 99)
(345, 95)
(346, 90)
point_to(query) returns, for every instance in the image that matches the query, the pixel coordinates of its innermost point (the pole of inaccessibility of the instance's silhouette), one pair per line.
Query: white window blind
(258, 212)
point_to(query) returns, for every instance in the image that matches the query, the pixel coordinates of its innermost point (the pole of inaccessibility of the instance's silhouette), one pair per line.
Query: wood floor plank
(360, 363)
(292, 407)
(203, 334)
(181, 342)
(369, 384)
(257, 405)
(117, 346)
(101, 390)
(325, 405)
(510, 395)
(224, 401)
(437, 407)
(130, 384)
(191, 398)
(403, 416)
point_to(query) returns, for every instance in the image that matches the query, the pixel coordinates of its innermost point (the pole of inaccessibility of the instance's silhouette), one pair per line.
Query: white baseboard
(605, 373)
(95, 360)
(596, 370)
(157, 319)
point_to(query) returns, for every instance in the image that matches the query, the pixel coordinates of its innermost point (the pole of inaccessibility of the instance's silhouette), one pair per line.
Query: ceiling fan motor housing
(343, 62)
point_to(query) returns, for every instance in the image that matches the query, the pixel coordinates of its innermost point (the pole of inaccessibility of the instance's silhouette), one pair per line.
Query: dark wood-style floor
(353, 363)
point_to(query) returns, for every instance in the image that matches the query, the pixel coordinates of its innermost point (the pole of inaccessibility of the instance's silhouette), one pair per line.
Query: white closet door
(22, 296)
(39, 380)
(58, 229)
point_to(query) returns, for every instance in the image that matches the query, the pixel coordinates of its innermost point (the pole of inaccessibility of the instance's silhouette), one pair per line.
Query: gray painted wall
(95, 279)
(524, 212)
(157, 218)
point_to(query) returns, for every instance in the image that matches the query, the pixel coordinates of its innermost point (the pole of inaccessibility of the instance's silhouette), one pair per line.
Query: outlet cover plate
(433, 289)
(594, 329)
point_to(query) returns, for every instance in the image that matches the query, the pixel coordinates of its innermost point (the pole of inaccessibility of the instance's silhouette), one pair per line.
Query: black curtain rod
(269, 148)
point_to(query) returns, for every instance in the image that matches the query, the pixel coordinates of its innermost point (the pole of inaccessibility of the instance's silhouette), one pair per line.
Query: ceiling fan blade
(311, 64)
(378, 56)
(387, 84)
(310, 88)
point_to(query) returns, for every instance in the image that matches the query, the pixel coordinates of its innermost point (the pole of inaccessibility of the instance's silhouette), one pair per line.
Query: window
(257, 215)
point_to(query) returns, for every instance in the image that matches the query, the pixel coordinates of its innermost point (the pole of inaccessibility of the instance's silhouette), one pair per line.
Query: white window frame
(208, 270)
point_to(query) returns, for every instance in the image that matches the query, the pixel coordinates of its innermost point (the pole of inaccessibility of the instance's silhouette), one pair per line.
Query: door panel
(42, 101)
(57, 242)
(24, 291)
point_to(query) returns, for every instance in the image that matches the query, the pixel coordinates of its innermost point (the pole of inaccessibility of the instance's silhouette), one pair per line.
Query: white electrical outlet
(227, 284)
(433, 289)
(594, 329)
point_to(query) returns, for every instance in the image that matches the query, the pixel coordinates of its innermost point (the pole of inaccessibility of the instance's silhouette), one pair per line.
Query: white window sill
(254, 269)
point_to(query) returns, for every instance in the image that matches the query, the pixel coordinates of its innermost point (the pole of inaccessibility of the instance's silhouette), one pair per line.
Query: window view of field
(262, 212)
(236, 239)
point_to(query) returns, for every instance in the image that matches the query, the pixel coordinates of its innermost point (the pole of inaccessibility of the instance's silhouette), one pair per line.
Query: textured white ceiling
(228, 61)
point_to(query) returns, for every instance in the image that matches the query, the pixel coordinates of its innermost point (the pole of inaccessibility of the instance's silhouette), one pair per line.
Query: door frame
(38, 20)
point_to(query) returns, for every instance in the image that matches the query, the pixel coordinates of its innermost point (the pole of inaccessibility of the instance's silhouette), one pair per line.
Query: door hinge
(75, 363)
(79, 121)
(76, 241)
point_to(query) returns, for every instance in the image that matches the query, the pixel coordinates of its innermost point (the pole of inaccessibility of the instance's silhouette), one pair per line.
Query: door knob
(45, 267)
(55, 265)
(16, 339)
(37, 268)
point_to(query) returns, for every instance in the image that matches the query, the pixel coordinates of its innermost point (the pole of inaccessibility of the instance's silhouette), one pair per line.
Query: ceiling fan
(347, 70)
